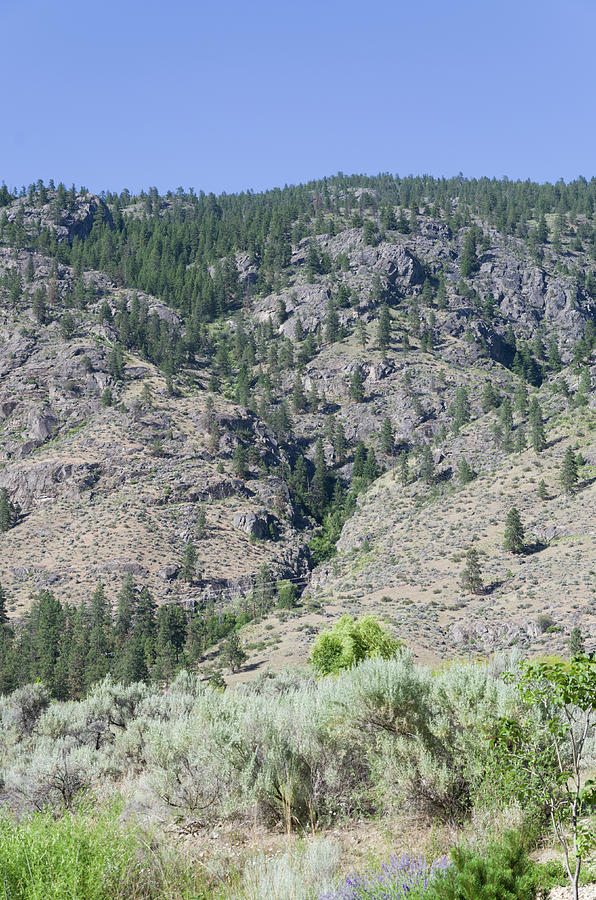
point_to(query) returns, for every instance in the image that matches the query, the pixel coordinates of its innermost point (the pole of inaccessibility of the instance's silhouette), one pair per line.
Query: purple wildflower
(399, 878)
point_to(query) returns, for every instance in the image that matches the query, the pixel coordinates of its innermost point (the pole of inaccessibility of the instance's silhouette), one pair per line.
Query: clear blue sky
(229, 95)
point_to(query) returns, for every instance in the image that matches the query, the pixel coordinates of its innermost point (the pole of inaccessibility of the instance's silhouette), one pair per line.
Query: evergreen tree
(468, 261)
(427, 465)
(357, 386)
(520, 399)
(514, 532)
(201, 523)
(46, 621)
(100, 627)
(538, 437)
(239, 462)
(471, 577)
(9, 512)
(67, 326)
(490, 397)
(387, 437)
(318, 494)
(340, 444)
(371, 469)
(460, 409)
(362, 333)
(39, 306)
(569, 475)
(3, 610)
(133, 665)
(404, 473)
(576, 642)
(465, 473)
(542, 492)
(520, 439)
(298, 396)
(78, 654)
(506, 414)
(359, 460)
(331, 323)
(384, 328)
(555, 363)
(125, 610)
(189, 563)
(233, 654)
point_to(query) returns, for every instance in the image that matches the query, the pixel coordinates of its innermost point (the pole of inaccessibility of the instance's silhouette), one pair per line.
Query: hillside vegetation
(230, 428)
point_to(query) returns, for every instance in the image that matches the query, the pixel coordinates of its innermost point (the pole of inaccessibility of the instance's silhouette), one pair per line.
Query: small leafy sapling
(545, 759)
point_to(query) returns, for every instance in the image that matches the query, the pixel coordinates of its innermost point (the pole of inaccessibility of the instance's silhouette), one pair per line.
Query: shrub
(292, 875)
(91, 858)
(23, 708)
(505, 872)
(348, 642)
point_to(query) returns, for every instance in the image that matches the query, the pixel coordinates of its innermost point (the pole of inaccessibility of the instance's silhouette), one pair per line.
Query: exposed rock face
(31, 484)
(256, 525)
(492, 636)
(42, 423)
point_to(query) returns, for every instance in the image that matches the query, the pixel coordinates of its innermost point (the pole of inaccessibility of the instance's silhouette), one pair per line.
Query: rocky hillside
(270, 382)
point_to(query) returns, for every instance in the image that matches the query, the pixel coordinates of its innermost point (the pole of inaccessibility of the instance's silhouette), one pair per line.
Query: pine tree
(555, 363)
(340, 444)
(359, 460)
(427, 465)
(362, 333)
(520, 399)
(471, 577)
(189, 563)
(468, 261)
(514, 532)
(542, 491)
(404, 473)
(39, 306)
(318, 494)
(3, 610)
(465, 473)
(298, 396)
(384, 328)
(78, 654)
(47, 622)
(460, 409)
(9, 512)
(125, 610)
(506, 414)
(201, 523)
(239, 462)
(569, 475)
(387, 437)
(576, 642)
(331, 323)
(490, 398)
(537, 426)
(371, 469)
(520, 439)
(357, 386)
(233, 654)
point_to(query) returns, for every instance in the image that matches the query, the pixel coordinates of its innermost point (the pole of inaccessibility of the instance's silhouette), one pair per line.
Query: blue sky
(233, 95)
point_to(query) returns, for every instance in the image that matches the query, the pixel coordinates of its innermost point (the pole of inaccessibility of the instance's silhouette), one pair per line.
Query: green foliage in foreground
(548, 763)
(503, 872)
(349, 642)
(77, 856)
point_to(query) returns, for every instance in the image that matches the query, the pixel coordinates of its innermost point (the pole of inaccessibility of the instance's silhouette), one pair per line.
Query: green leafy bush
(349, 642)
